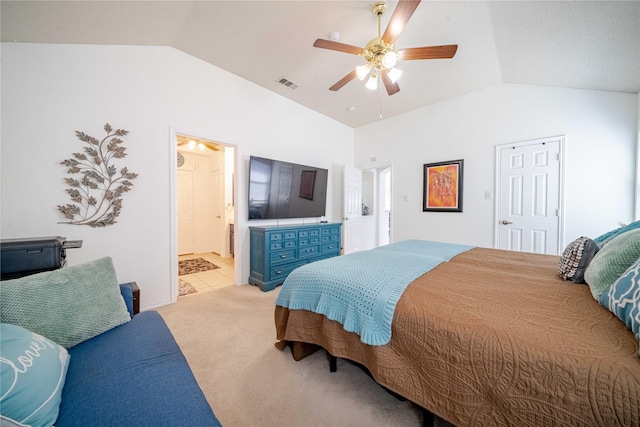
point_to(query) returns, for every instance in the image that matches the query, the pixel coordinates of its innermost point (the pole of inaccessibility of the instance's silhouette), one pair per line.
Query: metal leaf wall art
(97, 186)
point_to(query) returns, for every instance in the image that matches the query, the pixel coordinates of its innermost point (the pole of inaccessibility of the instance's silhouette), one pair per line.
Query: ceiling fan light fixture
(372, 83)
(363, 70)
(394, 74)
(390, 59)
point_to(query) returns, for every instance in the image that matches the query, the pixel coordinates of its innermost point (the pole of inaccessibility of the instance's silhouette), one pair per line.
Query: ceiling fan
(381, 54)
(193, 143)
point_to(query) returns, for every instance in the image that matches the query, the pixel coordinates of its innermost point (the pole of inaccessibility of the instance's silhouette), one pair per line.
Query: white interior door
(529, 196)
(185, 212)
(352, 209)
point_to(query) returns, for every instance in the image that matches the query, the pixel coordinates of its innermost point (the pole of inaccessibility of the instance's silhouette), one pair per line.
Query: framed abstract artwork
(442, 190)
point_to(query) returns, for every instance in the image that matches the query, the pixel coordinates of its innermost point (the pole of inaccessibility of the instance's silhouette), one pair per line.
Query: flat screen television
(280, 190)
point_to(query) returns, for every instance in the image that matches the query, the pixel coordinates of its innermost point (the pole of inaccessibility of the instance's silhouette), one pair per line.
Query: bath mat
(196, 265)
(185, 288)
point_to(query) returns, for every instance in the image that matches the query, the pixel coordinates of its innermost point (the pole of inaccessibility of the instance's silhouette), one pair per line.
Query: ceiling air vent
(288, 83)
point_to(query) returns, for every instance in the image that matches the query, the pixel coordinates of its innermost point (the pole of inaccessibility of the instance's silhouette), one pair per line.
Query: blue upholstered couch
(132, 375)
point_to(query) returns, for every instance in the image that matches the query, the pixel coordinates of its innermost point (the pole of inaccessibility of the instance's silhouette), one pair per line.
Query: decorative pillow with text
(34, 370)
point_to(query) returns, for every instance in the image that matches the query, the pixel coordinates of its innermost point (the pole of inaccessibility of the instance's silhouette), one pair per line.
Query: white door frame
(173, 201)
(381, 219)
(497, 191)
(351, 210)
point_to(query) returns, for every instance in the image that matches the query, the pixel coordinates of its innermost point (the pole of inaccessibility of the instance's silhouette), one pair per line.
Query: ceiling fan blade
(210, 146)
(399, 19)
(391, 87)
(343, 81)
(428, 52)
(340, 47)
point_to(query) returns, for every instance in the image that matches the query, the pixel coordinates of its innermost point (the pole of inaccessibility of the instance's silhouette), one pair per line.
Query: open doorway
(375, 222)
(205, 214)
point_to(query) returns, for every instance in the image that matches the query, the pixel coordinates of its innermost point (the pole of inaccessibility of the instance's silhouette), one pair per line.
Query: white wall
(600, 130)
(50, 91)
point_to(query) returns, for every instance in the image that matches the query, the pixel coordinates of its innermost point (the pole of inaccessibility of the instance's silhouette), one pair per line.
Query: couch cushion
(33, 372)
(68, 305)
(612, 261)
(133, 375)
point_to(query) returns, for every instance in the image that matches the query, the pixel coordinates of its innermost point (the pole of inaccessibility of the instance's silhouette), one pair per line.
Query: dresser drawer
(330, 238)
(284, 235)
(282, 256)
(308, 251)
(330, 247)
(333, 231)
(286, 244)
(281, 272)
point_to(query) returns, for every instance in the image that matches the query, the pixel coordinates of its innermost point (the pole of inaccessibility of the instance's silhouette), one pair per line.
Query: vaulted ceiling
(574, 44)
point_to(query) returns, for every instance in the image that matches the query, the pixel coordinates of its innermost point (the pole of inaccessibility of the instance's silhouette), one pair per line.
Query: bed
(490, 337)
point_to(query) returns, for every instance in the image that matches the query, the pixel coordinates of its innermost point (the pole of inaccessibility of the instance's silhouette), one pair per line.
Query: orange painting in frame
(442, 191)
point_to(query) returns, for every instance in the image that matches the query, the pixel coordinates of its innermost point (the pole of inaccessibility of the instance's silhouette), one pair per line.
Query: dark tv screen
(280, 190)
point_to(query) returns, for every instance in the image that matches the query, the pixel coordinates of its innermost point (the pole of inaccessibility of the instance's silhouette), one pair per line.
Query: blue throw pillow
(610, 235)
(34, 369)
(623, 298)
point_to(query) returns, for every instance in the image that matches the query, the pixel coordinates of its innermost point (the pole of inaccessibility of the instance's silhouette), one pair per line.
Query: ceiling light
(192, 144)
(363, 70)
(394, 74)
(201, 146)
(351, 108)
(372, 83)
(389, 59)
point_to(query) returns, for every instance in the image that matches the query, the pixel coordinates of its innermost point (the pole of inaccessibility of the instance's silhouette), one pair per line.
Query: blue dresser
(277, 251)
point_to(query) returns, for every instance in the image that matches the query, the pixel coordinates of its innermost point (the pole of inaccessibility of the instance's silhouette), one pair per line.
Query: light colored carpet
(228, 336)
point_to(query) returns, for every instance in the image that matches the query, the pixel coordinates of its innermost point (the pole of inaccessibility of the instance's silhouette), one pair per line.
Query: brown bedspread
(494, 338)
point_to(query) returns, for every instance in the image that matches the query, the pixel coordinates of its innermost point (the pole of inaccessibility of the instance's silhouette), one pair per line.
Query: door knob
(505, 222)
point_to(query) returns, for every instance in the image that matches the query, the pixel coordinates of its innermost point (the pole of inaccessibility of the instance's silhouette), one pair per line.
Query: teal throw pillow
(612, 261)
(623, 299)
(33, 371)
(68, 305)
(607, 237)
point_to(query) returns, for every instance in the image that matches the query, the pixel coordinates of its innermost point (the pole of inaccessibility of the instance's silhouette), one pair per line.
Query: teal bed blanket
(360, 290)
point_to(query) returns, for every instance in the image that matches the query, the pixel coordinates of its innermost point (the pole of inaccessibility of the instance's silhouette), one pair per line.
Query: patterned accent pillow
(623, 299)
(575, 259)
(612, 261)
(68, 305)
(33, 372)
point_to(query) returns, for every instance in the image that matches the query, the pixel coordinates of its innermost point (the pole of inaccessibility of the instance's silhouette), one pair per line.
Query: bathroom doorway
(205, 214)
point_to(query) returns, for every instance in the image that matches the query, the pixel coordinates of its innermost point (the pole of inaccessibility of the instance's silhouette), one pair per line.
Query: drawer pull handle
(278, 271)
(330, 247)
(283, 255)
